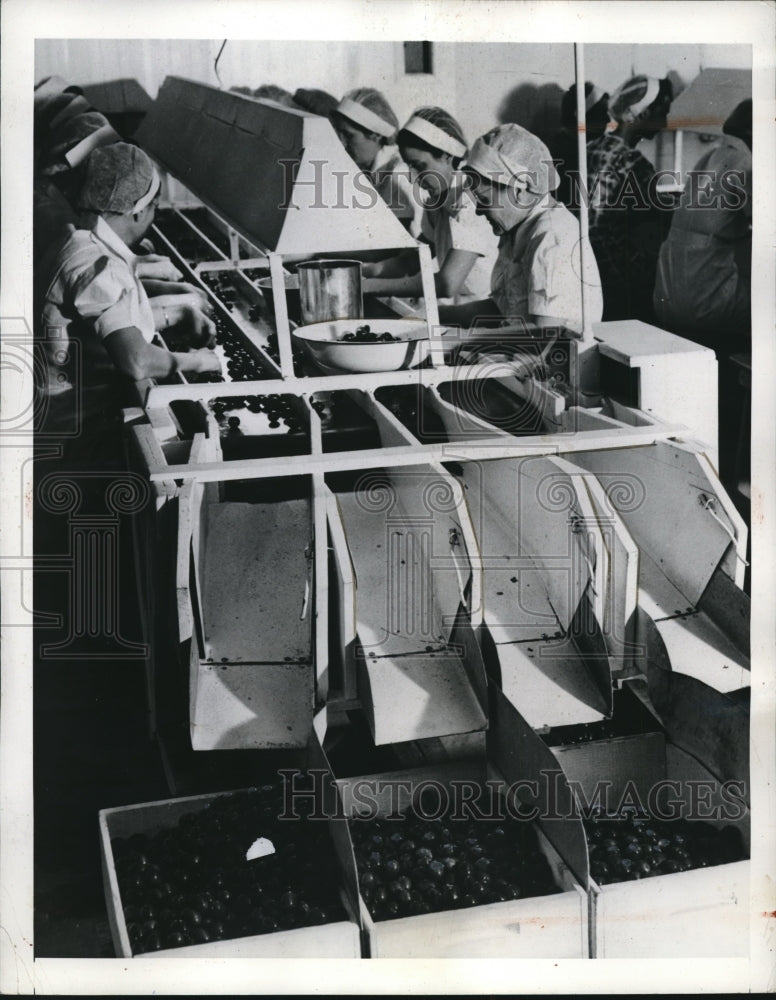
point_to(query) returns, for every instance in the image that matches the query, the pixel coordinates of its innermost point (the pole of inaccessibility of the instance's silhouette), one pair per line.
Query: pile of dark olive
(279, 409)
(364, 335)
(221, 283)
(639, 846)
(191, 884)
(411, 865)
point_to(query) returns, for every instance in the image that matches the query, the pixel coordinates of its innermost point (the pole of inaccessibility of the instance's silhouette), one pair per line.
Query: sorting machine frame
(606, 518)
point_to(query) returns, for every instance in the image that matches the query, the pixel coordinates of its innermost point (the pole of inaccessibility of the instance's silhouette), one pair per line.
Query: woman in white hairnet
(97, 324)
(537, 277)
(367, 125)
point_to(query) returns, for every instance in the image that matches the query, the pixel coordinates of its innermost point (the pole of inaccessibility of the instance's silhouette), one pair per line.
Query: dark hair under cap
(739, 122)
(318, 102)
(595, 114)
(60, 141)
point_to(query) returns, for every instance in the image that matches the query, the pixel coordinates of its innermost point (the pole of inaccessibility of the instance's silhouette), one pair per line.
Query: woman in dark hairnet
(564, 146)
(625, 218)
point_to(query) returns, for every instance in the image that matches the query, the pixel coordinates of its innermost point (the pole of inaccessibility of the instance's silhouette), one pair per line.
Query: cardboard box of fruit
(222, 875)
(670, 880)
(450, 867)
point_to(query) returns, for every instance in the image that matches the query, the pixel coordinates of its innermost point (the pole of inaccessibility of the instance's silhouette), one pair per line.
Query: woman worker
(625, 219)
(536, 281)
(703, 287)
(564, 146)
(366, 126)
(463, 244)
(96, 321)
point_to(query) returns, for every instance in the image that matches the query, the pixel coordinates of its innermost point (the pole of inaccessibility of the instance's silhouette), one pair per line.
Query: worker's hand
(154, 265)
(199, 326)
(205, 360)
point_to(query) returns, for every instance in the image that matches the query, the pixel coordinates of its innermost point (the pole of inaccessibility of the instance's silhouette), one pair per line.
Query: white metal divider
(432, 306)
(282, 325)
(320, 564)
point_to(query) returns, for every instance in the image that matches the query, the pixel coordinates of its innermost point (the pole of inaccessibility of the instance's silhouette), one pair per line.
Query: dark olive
(392, 867)
(634, 849)
(436, 870)
(449, 895)
(215, 929)
(175, 939)
(642, 869)
(424, 854)
(152, 942)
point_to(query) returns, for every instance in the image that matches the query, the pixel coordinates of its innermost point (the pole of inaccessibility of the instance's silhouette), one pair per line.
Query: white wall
(480, 83)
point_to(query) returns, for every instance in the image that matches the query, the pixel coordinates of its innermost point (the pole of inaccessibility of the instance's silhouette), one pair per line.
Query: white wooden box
(693, 914)
(335, 940)
(553, 926)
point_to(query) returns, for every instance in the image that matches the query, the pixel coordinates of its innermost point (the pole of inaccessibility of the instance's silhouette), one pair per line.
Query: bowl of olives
(352, 345)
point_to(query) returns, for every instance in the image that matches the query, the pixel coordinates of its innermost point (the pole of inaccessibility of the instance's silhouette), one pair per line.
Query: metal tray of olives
(337, 938)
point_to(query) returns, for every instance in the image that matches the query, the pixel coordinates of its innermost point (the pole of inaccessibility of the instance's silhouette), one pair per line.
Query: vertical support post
(678, 153)
(319, 587)
(281, 315)
(586, 348)
(432, 307)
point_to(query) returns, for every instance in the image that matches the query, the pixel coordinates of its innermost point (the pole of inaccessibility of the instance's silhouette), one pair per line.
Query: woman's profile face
(361, 146)
(434, 172)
